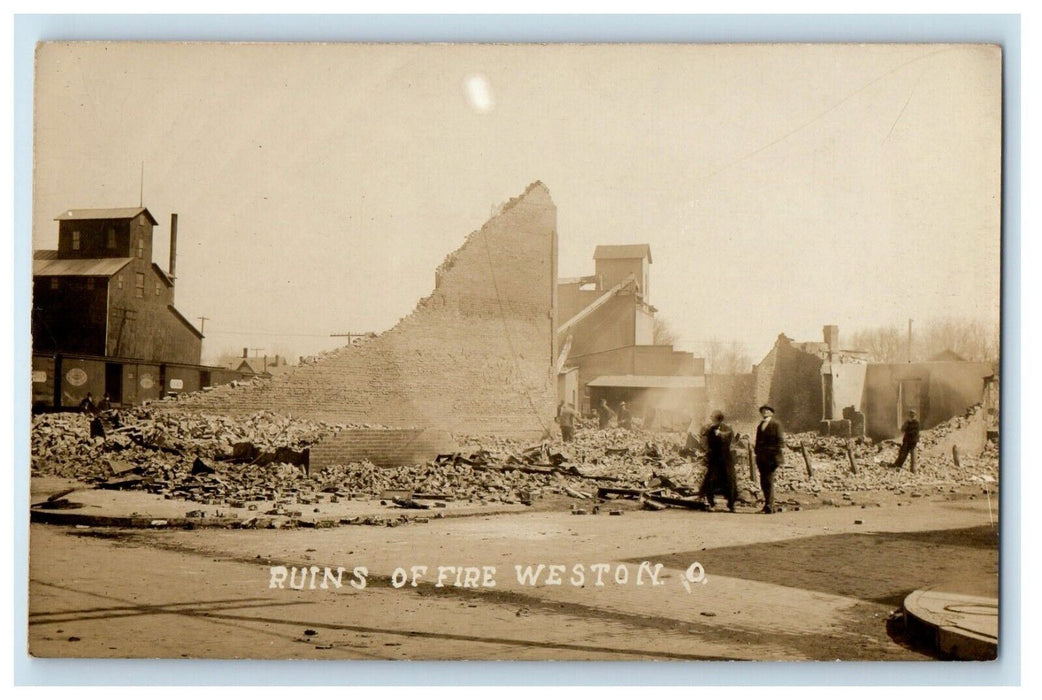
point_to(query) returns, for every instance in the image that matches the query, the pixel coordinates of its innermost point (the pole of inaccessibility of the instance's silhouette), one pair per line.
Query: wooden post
(850, 456)
(806, 460)
(914, 451)
(752, 462)
(955, 456)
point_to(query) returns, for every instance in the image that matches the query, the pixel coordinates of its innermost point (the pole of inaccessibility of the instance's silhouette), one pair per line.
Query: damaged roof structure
(823, 386)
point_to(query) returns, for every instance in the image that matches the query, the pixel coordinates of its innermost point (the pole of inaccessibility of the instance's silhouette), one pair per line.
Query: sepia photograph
(520, 352)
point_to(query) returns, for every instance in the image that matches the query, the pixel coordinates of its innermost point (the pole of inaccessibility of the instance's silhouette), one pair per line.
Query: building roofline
(162, 275)
(185, 321)
(625, 251)
(119, 213)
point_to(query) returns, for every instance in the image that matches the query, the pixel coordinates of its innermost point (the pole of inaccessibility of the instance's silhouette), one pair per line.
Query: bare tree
(662, 333)
(714, 350)
(728, 357)
(970, 339)
(883, 343)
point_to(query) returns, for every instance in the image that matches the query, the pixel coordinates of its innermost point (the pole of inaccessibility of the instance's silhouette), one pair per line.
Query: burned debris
(260, 463)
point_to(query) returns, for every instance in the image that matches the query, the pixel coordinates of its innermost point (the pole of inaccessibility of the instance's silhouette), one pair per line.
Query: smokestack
(832, 337)
(173, 245)
(244, 352)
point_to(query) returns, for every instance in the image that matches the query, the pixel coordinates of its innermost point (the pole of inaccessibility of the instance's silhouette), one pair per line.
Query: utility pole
(256, 350)
(202, 323)
(909, 340)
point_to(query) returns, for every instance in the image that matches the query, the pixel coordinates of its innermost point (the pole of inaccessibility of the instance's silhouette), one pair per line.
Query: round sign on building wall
(76, 376)
(146, 381)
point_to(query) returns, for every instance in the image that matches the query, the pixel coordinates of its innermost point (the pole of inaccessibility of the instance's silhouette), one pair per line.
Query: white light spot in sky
(479, 93)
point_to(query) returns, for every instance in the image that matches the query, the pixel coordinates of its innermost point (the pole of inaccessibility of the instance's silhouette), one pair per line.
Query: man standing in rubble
(720, 475)
(910, 439)
(87, 405)
(625, 417)
(769, 455)
(566, 419)
(604, 414)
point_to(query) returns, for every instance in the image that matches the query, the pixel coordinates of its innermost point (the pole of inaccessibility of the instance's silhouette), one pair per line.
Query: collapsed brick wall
(382, 447)
(474, 357)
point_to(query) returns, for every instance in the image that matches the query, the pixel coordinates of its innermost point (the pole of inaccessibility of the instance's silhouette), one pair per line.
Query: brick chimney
(832, 337)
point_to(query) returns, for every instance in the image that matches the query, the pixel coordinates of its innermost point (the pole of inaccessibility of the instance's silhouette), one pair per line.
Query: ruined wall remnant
(473, 357)
(789, 379)
(382, 447)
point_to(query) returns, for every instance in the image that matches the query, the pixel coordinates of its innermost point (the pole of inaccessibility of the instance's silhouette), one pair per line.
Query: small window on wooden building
(75, 240)
(141, 246)
(139, 285)
(157, 288)
(119, 281)
(111, 241)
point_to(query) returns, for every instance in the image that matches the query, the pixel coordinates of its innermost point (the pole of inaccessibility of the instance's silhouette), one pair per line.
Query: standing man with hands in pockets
(769, 446)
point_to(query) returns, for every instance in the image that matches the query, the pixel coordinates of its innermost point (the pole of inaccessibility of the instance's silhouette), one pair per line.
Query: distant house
(248, 367)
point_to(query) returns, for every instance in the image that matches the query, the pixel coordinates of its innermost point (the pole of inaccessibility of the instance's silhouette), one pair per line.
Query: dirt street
(808, 584)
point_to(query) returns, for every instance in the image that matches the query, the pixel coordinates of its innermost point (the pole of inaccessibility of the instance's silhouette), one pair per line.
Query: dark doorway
(114, 382)
(910, 399)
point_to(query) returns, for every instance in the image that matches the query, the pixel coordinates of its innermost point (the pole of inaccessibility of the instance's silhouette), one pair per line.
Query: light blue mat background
(998, 29)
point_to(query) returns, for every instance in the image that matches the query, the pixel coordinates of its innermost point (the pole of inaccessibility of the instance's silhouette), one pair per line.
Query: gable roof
(114, 213)
(622, 252)
(162, 275)
(185, 321)
(47, 264)
(947, 356)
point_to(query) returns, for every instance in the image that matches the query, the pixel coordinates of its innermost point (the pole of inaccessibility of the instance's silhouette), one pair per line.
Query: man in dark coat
(87, 405)
(910, 440)
(769, 456)
(720, 476)
(604, 414)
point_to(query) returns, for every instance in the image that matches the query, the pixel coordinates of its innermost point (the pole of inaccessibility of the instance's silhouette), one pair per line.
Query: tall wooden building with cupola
(103, 315)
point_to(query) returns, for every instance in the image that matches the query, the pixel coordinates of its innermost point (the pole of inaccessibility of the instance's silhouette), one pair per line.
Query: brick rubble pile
(234, 461)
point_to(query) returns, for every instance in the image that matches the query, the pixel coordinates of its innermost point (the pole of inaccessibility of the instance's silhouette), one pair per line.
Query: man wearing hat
(769, 446)
(720, 476)
(910, 440)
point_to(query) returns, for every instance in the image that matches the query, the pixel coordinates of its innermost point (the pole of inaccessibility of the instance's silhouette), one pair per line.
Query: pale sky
(319, 186)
